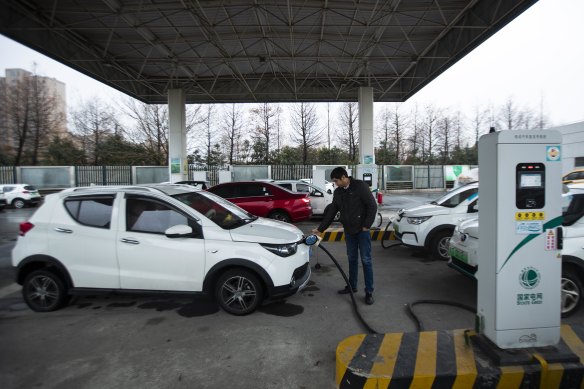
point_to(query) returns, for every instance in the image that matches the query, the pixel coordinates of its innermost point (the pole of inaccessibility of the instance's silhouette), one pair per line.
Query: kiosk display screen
(531, 180)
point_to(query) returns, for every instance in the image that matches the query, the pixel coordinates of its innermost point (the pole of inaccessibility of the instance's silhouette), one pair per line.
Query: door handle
(65, 230)
(130, 241)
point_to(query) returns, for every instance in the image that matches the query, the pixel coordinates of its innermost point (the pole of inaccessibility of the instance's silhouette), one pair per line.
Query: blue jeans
(356, 243)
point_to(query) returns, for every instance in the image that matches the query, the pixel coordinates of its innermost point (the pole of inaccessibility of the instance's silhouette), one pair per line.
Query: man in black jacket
(358, 210)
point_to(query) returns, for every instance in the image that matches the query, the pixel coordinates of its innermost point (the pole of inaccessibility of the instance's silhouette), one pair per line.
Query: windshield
(220, 211)
(454, 198)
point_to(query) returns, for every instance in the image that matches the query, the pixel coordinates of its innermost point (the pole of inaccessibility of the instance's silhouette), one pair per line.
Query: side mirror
(473, 208)
(329, 191)
(179, 231)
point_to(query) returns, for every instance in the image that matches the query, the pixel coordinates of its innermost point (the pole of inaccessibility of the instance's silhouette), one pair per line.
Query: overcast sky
(538, 57)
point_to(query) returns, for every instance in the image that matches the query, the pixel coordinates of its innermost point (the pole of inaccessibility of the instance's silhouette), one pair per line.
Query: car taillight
(25, 227)
(25, 191)
(306, 200)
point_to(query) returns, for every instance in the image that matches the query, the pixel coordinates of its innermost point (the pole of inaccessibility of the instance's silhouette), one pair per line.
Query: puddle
(282, 309)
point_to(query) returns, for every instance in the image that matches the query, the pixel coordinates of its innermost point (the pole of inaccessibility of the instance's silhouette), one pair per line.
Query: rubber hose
(419, 324)
(384, 233)
(355, 308)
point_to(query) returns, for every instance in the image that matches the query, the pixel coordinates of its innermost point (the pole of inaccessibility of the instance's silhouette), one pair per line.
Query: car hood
(428, 210)
(267, 231)
(470, 227)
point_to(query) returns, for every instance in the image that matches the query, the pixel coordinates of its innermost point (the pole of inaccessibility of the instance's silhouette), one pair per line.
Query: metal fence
(391, 177)
(8, 175)
(103, 175)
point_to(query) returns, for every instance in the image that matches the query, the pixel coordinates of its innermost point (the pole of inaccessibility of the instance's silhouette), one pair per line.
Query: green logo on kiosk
(529, 277)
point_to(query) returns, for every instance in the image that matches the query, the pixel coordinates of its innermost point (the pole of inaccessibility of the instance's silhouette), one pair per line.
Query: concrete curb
(338, 235)
(445, 359)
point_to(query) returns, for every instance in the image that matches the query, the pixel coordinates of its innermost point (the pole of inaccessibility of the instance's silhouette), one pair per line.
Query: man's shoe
(346, 290)
(369, 299)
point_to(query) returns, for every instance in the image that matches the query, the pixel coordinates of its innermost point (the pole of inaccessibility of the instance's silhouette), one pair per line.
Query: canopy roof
(258, 51)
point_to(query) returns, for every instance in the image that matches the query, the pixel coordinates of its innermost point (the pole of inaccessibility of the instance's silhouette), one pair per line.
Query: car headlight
(282, 250)
(418, 220)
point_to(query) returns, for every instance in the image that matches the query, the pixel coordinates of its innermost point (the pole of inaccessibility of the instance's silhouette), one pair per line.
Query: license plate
(458, 254)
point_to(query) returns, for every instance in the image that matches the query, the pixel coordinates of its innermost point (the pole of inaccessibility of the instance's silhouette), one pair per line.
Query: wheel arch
(282, 210)
(43, 262)
(571, 262)
(435, 230)
(225, 265)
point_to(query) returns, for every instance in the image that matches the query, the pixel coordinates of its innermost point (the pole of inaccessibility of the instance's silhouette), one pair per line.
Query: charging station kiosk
(519, 258)
(368, 173)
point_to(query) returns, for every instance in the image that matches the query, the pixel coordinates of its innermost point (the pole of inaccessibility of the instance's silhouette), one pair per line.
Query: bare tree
(349, 129)
(150, 128)
(93, 122)
(16, 113)
(264, 115)
(398, 133)
(45, 119)
(232, 125)
(510, 115)
(478, 122)
(29, 117)
(305, 132)
(209, 133)
(444, 137)
(415, 139)
(432, 116)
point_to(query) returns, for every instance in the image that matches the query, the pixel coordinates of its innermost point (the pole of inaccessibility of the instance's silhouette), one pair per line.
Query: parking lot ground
(176, 341)
(180, 341)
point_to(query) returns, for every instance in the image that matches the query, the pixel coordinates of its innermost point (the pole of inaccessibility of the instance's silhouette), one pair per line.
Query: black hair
(338, 173)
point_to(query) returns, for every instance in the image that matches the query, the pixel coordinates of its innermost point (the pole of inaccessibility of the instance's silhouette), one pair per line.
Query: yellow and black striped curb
(442, 359)
(338, 235)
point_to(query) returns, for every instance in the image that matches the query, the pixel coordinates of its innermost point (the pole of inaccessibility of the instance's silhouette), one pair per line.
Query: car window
(458, 198)
(91, 211)
(225, 191)
(287, 186)
(7, 189)
(222, 212)
(252, 190)
(29, 187)
(151, 216)
(302, 188)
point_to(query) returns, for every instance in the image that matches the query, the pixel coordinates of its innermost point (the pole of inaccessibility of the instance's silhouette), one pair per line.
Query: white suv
(430, 226)
(319, 198)
(20, 195)
(465, 242)
(156, 238)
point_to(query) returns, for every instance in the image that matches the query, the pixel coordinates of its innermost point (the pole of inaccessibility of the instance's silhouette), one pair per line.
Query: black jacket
(357, 205)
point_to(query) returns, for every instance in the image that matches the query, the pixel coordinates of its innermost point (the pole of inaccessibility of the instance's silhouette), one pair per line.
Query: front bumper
(301, 276)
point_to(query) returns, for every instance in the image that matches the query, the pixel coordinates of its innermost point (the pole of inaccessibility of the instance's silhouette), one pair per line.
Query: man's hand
(316, 232)
(364, 229)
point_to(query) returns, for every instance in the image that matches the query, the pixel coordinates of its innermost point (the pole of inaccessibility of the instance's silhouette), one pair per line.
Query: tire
(280, 215)
(571, 291)
(239, 292)
(44, 291)
(439, 245)
(18, 203)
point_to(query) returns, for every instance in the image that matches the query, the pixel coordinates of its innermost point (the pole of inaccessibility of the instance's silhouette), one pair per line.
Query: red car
(266, 200)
